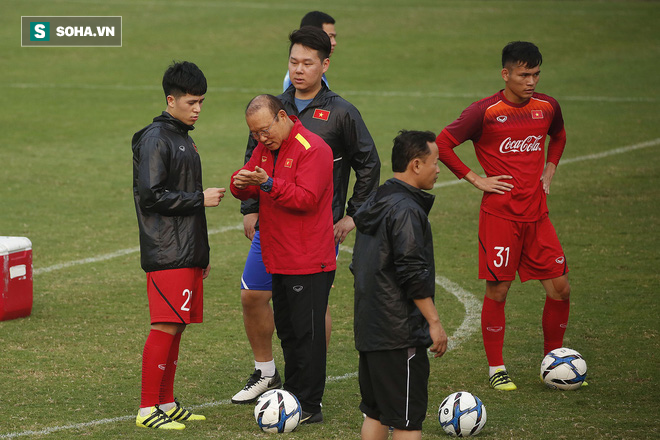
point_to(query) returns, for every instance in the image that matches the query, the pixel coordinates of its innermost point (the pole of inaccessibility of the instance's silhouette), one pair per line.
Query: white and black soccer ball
(277, 411)
(462, 414)
(563, 369)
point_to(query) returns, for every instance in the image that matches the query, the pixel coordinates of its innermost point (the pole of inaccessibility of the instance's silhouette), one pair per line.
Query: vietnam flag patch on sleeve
(537, 114)
(321, 114)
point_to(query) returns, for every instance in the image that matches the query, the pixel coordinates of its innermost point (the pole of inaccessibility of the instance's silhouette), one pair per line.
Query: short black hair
(184, 78)
(410, 145)
(316, 19)
(260, 101)
(313, 38)
(521, 52)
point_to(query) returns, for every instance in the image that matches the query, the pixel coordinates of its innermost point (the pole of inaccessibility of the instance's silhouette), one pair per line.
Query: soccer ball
(277, 411)
(563, 369)
(462, 414)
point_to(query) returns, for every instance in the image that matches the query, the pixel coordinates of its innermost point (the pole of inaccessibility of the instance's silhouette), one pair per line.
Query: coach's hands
(494, 184)
(212, 196)
(244, 178)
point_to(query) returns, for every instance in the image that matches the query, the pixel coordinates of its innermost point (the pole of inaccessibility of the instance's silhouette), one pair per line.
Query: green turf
(65, 182)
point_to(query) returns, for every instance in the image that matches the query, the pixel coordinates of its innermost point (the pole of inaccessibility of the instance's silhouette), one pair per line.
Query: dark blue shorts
(254, 275)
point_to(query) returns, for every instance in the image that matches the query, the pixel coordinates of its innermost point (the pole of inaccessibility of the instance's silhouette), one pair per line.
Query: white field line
(115, 254)
(376, 93)
(469, 325)
(612, 152)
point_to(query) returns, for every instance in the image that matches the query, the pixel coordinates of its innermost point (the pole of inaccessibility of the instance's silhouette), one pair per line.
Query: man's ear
(415, 165)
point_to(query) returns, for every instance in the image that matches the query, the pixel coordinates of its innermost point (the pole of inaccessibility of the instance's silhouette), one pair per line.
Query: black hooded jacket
(340, 125)
(393, 265)
(169, 198)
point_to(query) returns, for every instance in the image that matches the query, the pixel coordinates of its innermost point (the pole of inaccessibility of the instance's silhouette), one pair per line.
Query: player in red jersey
(509, 131)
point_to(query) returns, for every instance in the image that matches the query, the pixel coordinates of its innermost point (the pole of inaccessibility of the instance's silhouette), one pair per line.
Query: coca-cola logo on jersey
(529, 144)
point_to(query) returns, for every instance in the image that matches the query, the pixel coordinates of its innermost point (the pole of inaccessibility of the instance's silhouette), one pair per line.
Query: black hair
(410, 145)
(260, 101)
(521, 52)
(316, 19)
(313, 38)
(184, 78)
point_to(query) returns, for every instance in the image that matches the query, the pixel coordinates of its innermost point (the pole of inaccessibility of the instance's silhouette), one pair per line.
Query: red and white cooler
(15, 277)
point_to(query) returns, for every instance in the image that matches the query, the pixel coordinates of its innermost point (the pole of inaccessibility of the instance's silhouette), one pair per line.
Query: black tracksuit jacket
(169, 198)
(393, 264)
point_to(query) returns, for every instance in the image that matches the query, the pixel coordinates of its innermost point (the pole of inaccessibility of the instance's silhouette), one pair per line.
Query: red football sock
(154, 359)
(555, 319)
(167, 385)
(493, 324)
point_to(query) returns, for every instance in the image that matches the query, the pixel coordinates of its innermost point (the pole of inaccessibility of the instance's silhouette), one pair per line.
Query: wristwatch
(267, 185)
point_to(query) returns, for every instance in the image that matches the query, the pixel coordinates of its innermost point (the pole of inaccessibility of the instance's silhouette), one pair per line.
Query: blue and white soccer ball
(563, 369)
(462, 414)
(277, 411)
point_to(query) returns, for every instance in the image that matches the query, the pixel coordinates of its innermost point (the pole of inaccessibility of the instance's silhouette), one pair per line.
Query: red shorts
(530, 248)
(176, 295)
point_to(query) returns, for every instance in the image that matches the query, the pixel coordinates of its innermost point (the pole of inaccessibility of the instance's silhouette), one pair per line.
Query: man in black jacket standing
(174, 246)
(341, 126)
(395, 316)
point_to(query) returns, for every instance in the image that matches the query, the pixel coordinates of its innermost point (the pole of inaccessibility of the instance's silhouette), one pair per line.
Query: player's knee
(561, 289)
(254, 298)
(564, 291)
(497, 291)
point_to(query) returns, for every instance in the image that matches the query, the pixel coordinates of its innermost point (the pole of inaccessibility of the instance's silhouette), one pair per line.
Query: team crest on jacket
(288, 163)
(321, 114)
(264, 158)
(537, 114)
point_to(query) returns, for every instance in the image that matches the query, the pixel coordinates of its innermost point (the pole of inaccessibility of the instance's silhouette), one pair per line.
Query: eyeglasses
(265, 132)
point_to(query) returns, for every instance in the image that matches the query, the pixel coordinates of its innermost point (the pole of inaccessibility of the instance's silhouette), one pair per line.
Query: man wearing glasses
(290, 174)
(340, 125)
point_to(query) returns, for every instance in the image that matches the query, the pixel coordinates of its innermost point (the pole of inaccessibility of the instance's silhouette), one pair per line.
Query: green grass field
(73, 367)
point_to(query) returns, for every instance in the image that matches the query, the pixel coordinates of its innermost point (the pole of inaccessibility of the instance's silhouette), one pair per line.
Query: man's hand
(494, 184)
(244, 178)
(212, 196)
(439, 338)
(249, 223)
(342, 228)
(206, 271)
(548, 174)
(438, 335)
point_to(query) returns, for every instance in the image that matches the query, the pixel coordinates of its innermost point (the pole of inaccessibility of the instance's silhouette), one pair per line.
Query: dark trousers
(299, 305)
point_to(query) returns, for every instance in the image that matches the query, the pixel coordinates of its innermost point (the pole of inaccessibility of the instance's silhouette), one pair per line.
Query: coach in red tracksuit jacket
(290, 173)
